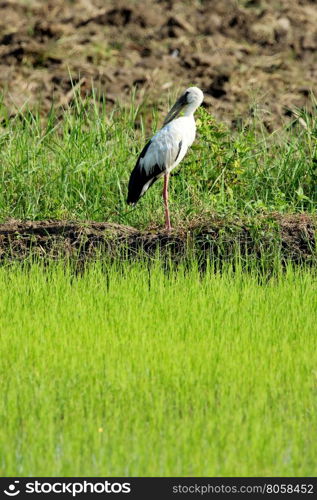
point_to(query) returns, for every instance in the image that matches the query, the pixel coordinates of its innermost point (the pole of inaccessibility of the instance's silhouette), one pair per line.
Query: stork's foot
(168, 226)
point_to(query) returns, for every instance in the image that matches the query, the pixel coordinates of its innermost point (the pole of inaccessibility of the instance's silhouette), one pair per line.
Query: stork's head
(189, 101)
(194, 96)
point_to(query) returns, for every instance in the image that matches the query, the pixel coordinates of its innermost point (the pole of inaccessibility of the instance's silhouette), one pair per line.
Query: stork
(166, 149)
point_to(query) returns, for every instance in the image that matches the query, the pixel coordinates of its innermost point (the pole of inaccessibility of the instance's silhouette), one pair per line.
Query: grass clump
(76, 165)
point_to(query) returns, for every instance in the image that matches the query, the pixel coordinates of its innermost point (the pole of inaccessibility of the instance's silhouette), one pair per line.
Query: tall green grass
(133, 371)
(76, 164)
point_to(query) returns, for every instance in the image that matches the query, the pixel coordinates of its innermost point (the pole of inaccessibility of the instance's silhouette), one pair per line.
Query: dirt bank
(291, 237)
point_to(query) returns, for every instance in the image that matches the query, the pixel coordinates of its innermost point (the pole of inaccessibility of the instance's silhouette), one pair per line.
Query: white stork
(166, 149)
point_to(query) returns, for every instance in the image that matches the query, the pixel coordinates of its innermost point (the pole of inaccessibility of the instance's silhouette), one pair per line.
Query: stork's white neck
(190, 109)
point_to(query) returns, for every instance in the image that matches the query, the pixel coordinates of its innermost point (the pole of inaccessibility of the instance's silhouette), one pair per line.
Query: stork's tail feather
(135, 187)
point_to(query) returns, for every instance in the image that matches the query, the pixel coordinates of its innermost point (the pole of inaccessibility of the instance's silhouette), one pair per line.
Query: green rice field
(132, 371)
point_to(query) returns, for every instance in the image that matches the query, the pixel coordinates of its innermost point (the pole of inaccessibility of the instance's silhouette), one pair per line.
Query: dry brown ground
(249, 56)
(290, 236)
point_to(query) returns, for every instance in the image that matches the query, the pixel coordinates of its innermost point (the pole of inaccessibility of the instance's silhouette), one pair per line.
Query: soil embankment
(291, 237)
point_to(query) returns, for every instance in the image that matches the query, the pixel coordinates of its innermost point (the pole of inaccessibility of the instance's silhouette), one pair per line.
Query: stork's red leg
(165, 197)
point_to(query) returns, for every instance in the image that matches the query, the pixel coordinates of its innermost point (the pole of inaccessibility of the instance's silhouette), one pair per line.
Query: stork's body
(166, 149)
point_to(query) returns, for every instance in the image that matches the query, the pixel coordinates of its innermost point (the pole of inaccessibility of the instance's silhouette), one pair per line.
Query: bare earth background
(249, 56)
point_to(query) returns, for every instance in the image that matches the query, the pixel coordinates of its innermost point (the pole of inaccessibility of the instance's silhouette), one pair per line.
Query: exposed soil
(249, 56)
(292, 236)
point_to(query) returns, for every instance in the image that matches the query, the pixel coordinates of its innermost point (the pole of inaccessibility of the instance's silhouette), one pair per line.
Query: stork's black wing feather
(179, 149)
(140, 177)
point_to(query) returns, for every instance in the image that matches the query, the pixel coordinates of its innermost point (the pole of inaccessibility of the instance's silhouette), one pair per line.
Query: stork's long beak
(176, 109)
